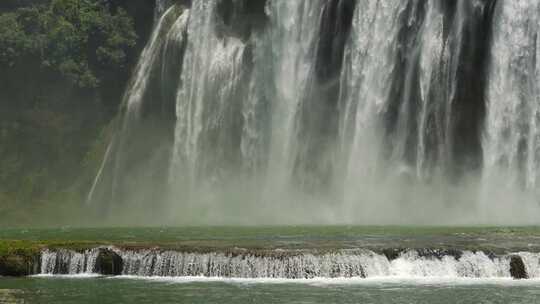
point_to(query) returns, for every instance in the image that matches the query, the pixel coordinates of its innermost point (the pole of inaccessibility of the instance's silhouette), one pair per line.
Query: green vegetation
(81, 41)
(63, 67)
(32, 248)
(204, 239)
(21, 258)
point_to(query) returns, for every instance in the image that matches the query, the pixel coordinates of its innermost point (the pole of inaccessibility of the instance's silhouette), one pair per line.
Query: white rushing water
(382, 174)
(291, 105)
(68, 262)
(208, 97)
(370, 58)
(512, 134)
(370, 66)
(290, 265)
(133, 98)
(216, 93)
(293, 36)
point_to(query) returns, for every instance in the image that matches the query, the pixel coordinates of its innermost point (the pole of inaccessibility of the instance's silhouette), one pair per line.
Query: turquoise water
(134, 291)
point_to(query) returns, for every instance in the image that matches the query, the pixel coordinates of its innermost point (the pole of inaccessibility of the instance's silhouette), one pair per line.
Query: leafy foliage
(63, 68)
(80, 39)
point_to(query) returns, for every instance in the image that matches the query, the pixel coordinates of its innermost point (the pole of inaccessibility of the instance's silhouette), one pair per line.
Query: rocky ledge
(275, 263)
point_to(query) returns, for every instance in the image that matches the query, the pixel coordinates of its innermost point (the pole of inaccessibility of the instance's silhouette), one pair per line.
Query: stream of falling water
(512, 134)
(281, 265)
(133, 99)
(208, 99)
(334, 110)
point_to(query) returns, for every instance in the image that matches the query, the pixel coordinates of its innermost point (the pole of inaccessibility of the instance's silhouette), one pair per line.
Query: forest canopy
(64, 65)
(79, 39)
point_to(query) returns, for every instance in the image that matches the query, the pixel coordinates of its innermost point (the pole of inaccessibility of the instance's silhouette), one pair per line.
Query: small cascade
(68, 261)
(467, 265)
(532, 264)
(292, 264)
(285, 266)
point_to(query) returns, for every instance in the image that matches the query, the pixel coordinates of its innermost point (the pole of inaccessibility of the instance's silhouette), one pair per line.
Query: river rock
(108, 262)
(17, 265)
(517, 268)
(392, 253)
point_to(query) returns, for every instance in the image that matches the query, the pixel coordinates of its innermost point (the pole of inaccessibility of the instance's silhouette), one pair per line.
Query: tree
(81, 40)
(63, 66)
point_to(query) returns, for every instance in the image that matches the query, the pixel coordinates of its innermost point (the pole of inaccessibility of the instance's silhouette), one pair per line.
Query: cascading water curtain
(337, 111)
(512, 134)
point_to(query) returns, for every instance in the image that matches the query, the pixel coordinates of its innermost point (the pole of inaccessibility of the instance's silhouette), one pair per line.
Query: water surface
(134, 291)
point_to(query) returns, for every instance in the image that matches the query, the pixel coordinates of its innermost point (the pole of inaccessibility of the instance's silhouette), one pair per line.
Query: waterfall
(399, 100)
(532, 263)
(145, 114)
(238, 105)
(209, 100)
(357, 263)
(370, 59)
(137, 87)
(161, 8)
(402, 84)
(222, 86)
(511, 135)
(68, 262)
(293, 35)
(337, 111)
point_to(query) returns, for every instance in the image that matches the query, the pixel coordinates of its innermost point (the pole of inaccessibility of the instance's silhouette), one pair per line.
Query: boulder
(517, 268)
(392, 253)
(17, 265)
(108, 262)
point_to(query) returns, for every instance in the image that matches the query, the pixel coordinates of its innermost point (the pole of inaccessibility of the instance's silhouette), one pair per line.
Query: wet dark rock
(239, 18)
(517, 268)
(490, 254)
(439, 253)
(17, 265)
(108, 262)
(433, 253)
(392, 253)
